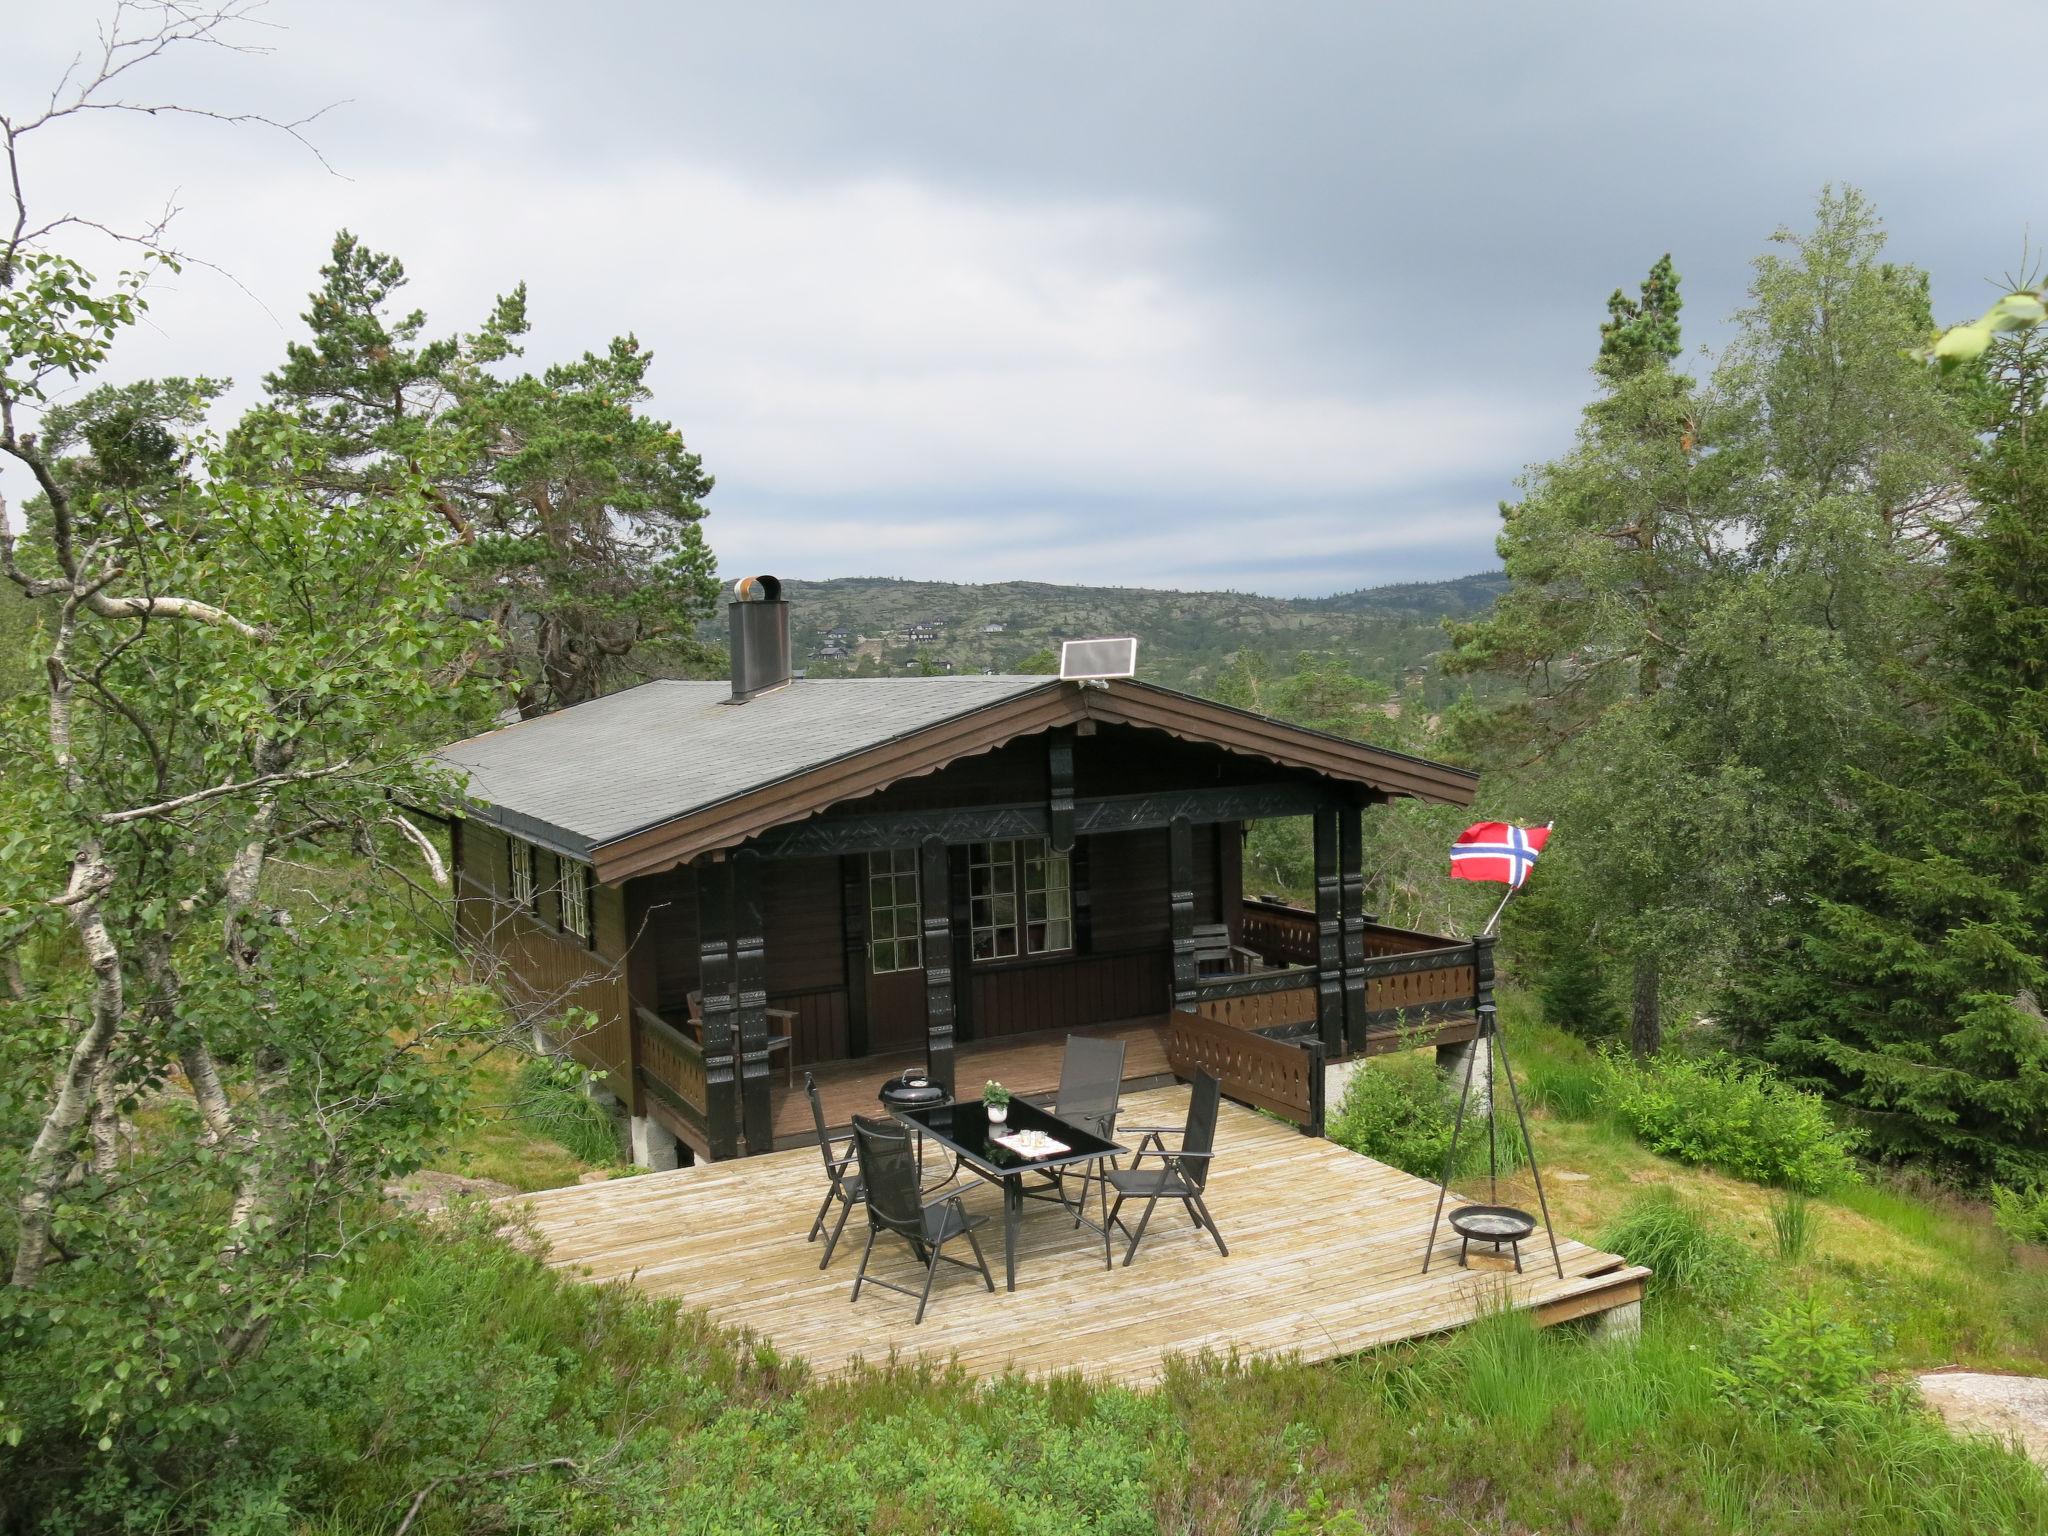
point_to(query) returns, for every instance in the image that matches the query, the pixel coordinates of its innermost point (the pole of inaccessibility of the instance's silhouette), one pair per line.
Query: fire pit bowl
(1495, 1224)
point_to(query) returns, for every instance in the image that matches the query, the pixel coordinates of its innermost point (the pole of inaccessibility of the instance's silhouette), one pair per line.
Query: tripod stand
(1492, 1222)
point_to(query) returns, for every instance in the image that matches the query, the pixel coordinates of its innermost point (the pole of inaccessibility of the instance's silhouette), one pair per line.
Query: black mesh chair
(844, 1188)
(888, 1176)
(1091, 1084)
(1181, 1175)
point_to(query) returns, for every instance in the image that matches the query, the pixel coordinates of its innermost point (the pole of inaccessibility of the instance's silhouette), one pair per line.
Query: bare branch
(201, 796)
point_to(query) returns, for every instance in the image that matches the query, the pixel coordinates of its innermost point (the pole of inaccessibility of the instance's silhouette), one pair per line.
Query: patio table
(963, 1130)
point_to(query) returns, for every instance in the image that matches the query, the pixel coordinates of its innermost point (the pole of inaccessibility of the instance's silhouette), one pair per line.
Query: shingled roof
(591, 774)
(658, 773)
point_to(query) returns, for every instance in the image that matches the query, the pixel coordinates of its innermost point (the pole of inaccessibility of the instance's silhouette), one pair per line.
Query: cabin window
(575, 898)
(894, 913)
(1020, 899)
(522, 874)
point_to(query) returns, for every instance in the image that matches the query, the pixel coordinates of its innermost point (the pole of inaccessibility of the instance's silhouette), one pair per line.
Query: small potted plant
(995, 1098)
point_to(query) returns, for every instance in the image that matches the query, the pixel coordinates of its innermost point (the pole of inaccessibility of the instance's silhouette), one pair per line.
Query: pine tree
(574, 516)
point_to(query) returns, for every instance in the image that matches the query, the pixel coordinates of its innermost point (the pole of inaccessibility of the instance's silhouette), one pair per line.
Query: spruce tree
(1908, 974)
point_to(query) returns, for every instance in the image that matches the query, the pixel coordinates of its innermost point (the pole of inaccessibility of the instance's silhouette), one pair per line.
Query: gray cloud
(1273, 297)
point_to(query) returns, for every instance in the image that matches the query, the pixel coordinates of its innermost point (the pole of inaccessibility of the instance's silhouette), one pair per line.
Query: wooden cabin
(738, 883)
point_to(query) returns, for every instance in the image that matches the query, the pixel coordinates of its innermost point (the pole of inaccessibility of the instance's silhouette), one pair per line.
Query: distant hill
(884, 625)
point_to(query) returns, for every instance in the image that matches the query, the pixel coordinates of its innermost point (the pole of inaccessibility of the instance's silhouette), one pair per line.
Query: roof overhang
(732, 821)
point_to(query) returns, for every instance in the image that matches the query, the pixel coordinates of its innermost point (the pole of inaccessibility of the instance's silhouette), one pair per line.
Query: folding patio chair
(888, 1176)
(1181, 1175)
(844, 1187)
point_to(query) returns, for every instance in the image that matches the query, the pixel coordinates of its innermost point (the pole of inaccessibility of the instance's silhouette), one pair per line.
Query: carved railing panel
(1279, 1076)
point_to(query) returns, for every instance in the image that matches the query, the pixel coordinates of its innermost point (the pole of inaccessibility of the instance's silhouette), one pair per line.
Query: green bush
(1732, 1116)
(2021, 1214)
(1687, 1252)
(1400, 1109)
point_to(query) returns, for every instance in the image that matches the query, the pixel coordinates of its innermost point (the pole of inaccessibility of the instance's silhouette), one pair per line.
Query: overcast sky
(1277, 297)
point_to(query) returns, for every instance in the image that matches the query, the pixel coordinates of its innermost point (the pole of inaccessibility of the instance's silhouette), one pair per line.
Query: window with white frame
(894, 914)
(1020, 899)
(522, 874)
(575, 898)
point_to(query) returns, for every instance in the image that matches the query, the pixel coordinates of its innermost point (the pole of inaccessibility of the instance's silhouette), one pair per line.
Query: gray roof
(594, 773)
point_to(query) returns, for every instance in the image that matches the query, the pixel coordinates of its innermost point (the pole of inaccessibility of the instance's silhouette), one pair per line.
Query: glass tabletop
(964, 1129)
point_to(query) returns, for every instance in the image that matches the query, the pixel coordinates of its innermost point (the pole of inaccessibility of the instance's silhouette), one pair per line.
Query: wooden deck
(1025, 1064)
(1325, 1260)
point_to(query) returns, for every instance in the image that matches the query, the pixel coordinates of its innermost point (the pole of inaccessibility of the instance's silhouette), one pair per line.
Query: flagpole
(1548, 826)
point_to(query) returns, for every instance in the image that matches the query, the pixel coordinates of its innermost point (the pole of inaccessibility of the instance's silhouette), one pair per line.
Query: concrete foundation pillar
(1617, 1325)
(1453, 1059)
(653, 1145)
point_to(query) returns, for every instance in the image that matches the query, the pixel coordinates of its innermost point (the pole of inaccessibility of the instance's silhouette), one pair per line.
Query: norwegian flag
(1497, 851)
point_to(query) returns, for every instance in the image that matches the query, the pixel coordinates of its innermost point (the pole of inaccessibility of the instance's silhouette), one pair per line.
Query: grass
(528, 1133)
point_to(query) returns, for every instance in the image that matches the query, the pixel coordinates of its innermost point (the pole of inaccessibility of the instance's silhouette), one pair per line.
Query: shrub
(1688, 1253)
(1399, 1109)
(2021, 1214)
(1804, 1371)
(1734, 1117)
(552, 1101)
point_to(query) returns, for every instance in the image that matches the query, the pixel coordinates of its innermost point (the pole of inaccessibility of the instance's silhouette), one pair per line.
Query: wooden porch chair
(888, 1178)
(1215, 955)
(785, 1043)
(1181, 1175)
(842, 1187)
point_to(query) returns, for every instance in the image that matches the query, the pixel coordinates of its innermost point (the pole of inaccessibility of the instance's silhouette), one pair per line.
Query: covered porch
(1326, 1251)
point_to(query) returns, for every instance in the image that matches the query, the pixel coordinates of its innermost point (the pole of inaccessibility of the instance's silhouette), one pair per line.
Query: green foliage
(1792, 1222)
(1733, 1116)
(1399, 1109)
(551, 1099)
(1903, 979)
(1804, 1372)
(1689, 1253)
(573, 518)
(2022, 1214)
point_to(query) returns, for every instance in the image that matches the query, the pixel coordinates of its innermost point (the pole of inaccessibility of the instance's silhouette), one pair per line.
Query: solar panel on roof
(1098, 658)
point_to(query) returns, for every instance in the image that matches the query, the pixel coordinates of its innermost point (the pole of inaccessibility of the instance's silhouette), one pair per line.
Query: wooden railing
(672, 1069)
(1260, 1000)
(1282, 1077)
(1418, 984)
(1280, 934)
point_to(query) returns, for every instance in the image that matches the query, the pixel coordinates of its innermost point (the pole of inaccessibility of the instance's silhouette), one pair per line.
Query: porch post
(853, 918)
(1351, 861)
(938, 961)
(1329, 937)
(1180, 859)
(750, 999)
(714, 980)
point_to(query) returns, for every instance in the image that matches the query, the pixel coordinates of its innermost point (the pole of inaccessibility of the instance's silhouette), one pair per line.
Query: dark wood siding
(542, 971)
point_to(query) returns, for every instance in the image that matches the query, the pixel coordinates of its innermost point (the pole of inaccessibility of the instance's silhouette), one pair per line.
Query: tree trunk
(1646, 1025)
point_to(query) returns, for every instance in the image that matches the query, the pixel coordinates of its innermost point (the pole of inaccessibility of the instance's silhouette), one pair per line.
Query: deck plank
(1325, 1260)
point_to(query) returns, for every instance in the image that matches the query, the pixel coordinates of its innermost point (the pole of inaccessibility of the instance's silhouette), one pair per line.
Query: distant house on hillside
(730, 884)
(994, 627)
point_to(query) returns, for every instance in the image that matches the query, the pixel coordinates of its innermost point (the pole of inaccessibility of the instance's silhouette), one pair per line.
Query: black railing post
(1351, 861)
(1180, 858)
(750, 999)
(1329, 936)
(938, 962)
(715, 987)
(1318, 1072)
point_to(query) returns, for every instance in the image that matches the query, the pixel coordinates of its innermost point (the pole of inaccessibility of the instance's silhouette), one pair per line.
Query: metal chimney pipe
(760, 637)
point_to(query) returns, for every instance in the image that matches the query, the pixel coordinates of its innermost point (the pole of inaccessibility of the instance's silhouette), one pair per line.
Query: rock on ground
(2007, 1407)
(428, 1191)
